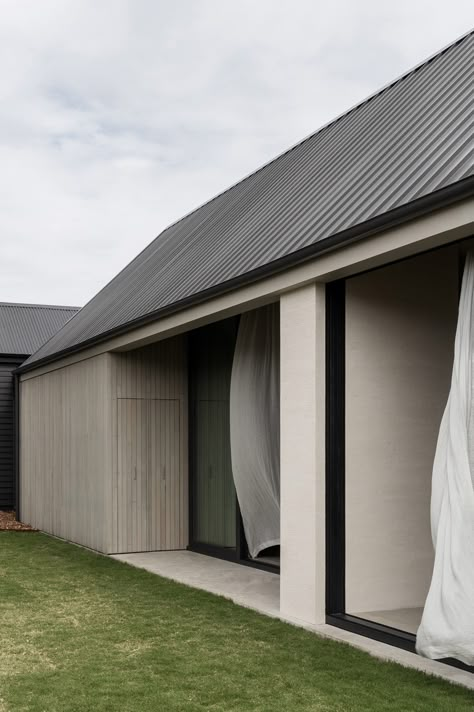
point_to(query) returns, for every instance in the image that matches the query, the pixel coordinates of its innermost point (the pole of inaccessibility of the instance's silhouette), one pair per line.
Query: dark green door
(214, 507)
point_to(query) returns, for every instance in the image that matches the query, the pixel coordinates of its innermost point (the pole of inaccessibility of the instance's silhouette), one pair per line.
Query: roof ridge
(39, 306)
(322, 128)
(402, 156)
(285, 152)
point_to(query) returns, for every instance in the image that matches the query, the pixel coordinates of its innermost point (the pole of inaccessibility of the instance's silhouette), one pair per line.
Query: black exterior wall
(8, 430)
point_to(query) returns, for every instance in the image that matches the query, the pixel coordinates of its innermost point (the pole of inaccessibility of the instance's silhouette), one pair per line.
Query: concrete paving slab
(244, 585)
(260, 590)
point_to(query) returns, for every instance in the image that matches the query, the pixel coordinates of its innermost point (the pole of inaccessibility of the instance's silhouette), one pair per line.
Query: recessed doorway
(216, 526)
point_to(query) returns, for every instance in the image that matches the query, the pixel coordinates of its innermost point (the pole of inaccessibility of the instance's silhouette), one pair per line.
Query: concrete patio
(245, 585)
(260, 590)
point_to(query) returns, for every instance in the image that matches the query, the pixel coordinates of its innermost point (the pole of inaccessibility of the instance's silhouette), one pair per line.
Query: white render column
(303, 556)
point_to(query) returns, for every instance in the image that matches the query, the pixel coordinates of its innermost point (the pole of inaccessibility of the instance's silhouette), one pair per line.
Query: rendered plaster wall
(400, 327)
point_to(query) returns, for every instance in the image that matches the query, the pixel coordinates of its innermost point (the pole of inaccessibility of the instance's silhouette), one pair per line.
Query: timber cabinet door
(149, 485)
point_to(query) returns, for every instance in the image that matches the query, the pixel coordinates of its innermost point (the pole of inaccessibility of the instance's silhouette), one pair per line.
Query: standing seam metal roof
(411, 140)
(26, 327)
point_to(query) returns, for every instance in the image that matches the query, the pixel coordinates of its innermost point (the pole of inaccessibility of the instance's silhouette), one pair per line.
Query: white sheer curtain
(447, 626)
(255, 426)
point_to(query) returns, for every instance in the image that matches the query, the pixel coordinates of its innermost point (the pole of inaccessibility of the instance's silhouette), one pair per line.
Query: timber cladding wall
(65, 451)
(150, 475)
(103, 450)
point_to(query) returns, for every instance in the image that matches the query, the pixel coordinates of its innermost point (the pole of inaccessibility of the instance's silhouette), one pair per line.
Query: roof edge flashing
(57, 307)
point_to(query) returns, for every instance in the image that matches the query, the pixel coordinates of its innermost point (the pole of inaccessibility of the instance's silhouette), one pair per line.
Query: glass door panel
(214, 508)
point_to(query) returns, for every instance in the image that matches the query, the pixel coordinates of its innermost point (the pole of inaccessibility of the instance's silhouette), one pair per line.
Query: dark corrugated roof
(26, 327)
(411, 140)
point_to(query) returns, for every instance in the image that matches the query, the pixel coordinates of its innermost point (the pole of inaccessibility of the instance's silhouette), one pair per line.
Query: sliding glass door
(390, 337)
(214, 518)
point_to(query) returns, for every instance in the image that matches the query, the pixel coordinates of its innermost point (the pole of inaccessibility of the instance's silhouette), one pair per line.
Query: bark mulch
(8, 522)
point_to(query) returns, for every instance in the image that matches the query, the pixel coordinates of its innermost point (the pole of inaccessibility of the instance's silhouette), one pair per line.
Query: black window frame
(336, 614)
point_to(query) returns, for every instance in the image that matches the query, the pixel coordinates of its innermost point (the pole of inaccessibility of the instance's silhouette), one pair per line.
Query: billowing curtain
(255, 426)
(447, 626)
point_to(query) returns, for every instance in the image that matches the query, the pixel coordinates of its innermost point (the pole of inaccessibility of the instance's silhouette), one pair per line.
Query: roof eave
(13, 356)
(417, 208)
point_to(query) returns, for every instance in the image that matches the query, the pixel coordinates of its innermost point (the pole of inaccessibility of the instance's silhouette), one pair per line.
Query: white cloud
(118, 117)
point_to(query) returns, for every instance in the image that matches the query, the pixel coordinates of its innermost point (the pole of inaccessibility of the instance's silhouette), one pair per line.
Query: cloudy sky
(119, 116)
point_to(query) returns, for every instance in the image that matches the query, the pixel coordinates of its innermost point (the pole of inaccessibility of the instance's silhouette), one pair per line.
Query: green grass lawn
(83, 632)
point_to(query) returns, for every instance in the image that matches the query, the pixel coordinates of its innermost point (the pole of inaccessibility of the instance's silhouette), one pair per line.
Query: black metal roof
(26, 327)
(403, 151)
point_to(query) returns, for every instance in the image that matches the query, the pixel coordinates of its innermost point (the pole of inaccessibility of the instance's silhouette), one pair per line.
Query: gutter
(416, 208)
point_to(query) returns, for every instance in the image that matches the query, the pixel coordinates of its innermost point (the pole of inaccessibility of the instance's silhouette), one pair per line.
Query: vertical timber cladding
(65, 446)
(150, 480)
